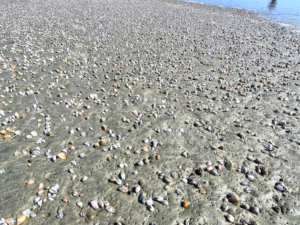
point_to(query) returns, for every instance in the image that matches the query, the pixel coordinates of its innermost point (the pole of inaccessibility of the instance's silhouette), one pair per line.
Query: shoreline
(152, 112)
(260, 14)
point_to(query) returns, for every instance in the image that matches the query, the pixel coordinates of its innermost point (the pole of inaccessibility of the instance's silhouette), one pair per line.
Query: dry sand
(201, 83)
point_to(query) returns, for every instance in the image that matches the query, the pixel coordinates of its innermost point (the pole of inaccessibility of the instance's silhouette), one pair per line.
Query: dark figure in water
(272, 5)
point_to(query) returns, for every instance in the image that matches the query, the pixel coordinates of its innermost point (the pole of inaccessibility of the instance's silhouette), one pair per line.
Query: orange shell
(185, 204)
(145, 149)
(62, 87)
(3, 132)
(7, 136)
(30, 182)
(65, 200)
(105, 128)
(21, 219)
(103, 141)
(62, 155)
(157, 156)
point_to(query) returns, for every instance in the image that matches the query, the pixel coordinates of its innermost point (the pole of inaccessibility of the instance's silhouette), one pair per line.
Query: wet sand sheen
(147, 112)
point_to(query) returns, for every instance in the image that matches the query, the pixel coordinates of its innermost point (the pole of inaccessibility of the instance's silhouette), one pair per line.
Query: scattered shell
(233, 198)
(229, 218)
(185, 204)
(94, 204)
(62, 155)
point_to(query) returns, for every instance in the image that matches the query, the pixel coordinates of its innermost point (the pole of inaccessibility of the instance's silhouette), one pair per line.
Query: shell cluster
(147, 112)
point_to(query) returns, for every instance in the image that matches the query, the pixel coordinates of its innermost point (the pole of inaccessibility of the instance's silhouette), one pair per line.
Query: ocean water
(287, 11)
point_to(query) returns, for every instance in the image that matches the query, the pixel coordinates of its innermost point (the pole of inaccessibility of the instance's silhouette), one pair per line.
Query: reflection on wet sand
(272, 5)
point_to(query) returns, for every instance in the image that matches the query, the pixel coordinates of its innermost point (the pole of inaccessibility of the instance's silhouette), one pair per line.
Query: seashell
(53, 158)
(149, 202)
(185, 204)
(179, 192)
(258, 161)
(88, 144)
(103, 141)
(249, 157)
(6, 136)
(166, 187)
(81, 155)
(104, 127)
(84, 179)
(123, 189)
(248, 190)
(264, 171)
(145, 149)
(72, 147)
(33, 133)
(192, 179)
(279, 187)
(151, 208)
(119, 182)
(209, 163)
(258, 169)
(233, 198)
(141, 197)
(40, 192)
(94, 204)
(53, 190)
(158, 198)
(244, 169)
(10, 221)
(250, 177)
(110, 209)
(254, 209)
(229, 165)
(201, 171)
(40, 185)
(209, 168)
(3, 132)
(101, 204)
(74, 163)
(165, 202)
(146, 160)
(229, 218)
(244, 183)
(202, 191)
(185, 154)
(122, 175)
(21, 219)
(62, 155)
(28, 182)
(224, 208)
(137, 189)
(214, 172)
(79, 204)
(65, 200)
(60, 213)
(245, 206)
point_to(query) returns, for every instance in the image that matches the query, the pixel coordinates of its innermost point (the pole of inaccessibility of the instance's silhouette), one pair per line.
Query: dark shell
(254, 209)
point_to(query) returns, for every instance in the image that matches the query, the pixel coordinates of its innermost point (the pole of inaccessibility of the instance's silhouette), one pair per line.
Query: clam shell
(254, 209)
(229, 218)
(158, 198)
(79, 204)
(123, 189)
(62, 155)
(21, 219)
(233, 198)
(110, 209)
(149, 202)
(224, 208)
(94, 204)
(229, 165)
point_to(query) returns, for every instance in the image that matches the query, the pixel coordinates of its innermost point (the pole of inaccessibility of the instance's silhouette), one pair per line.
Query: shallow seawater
(287, 11)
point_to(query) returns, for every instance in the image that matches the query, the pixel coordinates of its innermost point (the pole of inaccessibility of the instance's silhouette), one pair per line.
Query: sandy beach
(147, 112)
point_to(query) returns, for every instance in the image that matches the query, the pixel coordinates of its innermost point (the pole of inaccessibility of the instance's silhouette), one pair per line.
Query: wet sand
(159, 90)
